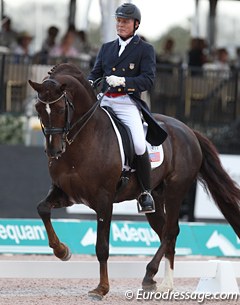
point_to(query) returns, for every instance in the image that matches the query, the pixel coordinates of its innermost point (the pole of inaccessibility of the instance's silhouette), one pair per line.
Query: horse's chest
(65, 177)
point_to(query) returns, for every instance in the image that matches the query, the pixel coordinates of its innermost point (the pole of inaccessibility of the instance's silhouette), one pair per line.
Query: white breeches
(127, 111)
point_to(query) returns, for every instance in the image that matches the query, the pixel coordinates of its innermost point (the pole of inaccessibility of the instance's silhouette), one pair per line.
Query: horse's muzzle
(55, 147)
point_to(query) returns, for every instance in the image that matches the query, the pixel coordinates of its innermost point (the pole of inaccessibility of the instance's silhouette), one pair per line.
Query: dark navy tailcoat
(137, 64)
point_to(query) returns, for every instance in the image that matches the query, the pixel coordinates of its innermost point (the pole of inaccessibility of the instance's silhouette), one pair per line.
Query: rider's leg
(143, 168)
(128, 112)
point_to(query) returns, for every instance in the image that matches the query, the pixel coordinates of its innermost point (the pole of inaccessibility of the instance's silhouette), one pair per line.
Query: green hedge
(11, 129)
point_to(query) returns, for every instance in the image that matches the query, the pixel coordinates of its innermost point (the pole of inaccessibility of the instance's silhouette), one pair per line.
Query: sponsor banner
(23, 236)
(216, 239)
(139, 238)
(126, 238)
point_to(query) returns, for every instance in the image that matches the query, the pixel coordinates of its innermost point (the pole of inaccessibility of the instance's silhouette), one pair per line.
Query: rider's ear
(63, 87)
(136, 25)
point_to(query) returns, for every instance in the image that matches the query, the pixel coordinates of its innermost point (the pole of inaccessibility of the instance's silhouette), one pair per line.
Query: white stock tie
(123, 46)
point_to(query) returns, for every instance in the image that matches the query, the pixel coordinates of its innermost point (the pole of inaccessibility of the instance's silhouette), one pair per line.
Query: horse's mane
(67, 69)
(71, 70)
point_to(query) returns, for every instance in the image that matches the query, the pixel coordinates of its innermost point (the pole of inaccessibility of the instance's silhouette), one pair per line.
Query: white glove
(115, 81)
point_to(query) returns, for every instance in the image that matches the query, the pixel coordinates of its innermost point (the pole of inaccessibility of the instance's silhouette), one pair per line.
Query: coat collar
(129, 48)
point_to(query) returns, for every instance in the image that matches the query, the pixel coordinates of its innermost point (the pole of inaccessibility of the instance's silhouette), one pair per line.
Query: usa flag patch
(154, 156)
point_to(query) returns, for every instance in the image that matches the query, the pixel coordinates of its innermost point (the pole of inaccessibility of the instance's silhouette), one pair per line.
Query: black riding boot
(143, 169)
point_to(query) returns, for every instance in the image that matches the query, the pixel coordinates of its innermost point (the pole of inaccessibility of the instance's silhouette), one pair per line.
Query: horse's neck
(84, 101)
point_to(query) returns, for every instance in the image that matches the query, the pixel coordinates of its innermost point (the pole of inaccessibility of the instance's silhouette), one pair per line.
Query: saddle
(126, 136)
(155, 153)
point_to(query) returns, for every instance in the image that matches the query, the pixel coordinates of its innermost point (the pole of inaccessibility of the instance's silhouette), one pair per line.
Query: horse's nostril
(54, 153)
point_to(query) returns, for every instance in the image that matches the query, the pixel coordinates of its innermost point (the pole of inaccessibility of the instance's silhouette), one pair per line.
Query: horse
(85, 167)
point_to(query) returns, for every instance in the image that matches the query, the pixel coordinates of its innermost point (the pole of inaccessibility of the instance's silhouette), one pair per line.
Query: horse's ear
(35, 86)
(63, 87)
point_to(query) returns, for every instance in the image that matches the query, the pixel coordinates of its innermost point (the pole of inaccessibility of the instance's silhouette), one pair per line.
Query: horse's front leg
(102, 250)
(56, 199)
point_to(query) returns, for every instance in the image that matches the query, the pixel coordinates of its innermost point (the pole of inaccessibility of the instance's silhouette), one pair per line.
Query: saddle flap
(156, 154)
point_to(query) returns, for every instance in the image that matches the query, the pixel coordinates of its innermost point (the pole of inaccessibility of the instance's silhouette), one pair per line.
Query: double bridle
(81, 122)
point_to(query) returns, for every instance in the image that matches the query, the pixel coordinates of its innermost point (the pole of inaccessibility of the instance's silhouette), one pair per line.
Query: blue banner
(126, 238)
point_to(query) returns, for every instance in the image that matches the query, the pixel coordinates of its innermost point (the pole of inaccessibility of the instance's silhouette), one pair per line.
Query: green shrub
(11, 129)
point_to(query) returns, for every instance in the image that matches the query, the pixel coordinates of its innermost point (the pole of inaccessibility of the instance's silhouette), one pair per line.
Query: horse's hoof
(150, 287)
(68, 254)
(164, 288)
(94, 295)
(63, 253)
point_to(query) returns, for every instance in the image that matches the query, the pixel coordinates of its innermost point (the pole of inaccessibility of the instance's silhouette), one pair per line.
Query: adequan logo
(18, 233)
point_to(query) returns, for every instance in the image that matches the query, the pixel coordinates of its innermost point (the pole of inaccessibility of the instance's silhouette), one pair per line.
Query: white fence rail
(215, 275)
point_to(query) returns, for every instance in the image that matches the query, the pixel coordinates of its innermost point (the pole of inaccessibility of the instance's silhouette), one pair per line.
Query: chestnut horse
(85, 167)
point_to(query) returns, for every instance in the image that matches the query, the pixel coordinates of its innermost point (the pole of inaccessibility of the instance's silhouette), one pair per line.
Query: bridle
(81, 122)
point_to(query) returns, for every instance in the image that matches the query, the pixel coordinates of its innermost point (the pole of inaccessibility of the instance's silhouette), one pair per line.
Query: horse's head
(55, 111)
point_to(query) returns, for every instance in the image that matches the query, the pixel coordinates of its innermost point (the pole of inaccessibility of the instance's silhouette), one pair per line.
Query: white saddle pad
(156, 153)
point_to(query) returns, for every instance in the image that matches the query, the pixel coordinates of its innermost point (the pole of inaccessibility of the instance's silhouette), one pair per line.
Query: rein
(82, 121)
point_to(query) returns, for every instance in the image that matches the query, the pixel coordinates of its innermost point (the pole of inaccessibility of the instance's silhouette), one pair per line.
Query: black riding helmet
(129, 11)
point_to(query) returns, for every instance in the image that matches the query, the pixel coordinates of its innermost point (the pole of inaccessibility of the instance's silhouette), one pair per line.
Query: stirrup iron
(144, 208)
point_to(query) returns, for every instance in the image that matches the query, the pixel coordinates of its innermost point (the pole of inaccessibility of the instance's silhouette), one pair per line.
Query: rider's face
(125, 27)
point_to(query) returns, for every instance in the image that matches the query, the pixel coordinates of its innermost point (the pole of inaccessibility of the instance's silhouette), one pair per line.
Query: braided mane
(71, 70)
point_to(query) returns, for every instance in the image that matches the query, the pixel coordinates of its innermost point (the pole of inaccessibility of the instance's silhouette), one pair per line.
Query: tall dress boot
(143, 170)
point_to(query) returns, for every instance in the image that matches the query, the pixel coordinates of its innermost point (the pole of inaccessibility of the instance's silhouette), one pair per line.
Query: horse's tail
(223, 189)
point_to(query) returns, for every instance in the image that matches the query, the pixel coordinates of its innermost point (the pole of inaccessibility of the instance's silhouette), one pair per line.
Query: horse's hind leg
(55, 199)
(156, 221)
(173, 199)
(165, 223)
(168, 234)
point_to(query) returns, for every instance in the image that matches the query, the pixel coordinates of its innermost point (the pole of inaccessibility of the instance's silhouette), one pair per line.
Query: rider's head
(128, 18)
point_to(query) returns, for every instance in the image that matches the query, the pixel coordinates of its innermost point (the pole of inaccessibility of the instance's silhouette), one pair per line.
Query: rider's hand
(115, 81)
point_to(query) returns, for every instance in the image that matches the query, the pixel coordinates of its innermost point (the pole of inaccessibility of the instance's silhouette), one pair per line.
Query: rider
(129, 64)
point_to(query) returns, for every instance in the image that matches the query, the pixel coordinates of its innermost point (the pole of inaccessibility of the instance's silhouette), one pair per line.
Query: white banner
(205, 208)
